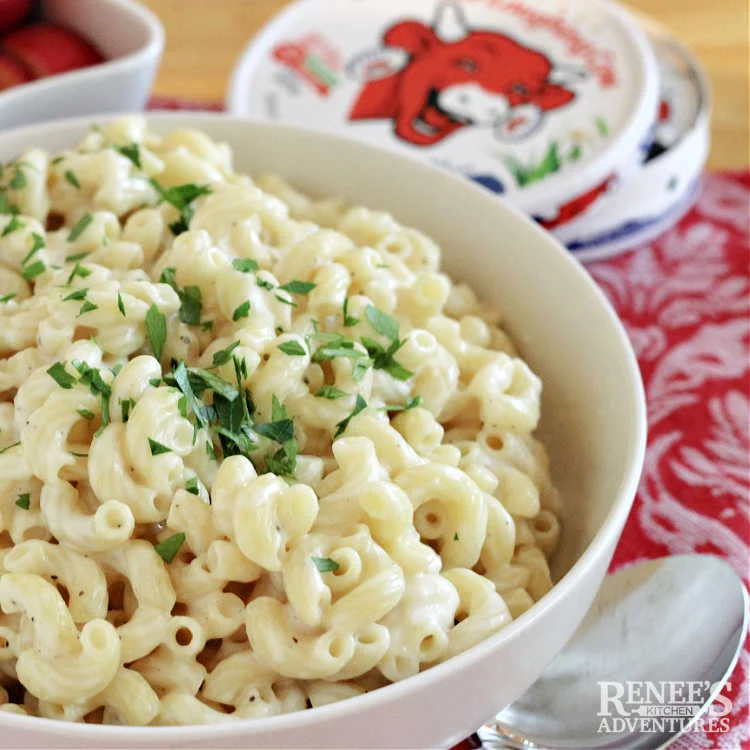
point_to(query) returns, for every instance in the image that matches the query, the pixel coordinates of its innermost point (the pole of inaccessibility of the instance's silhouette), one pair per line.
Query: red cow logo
(434, 80)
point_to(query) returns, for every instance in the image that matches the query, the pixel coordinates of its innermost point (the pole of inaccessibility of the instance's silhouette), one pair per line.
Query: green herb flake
(191, 486)
(181, 197)
(244, 265)
(120, 304)
(87, 307)
(331, 392)
(293, 348)
(325, 564)
(24, 501)
(72, 179)
(37, 245)
(224, 355)
(156, 328)
(157, 449)
(384, 324)
(132, 152)
(79, 294)
(76, 257)
(78, 270)
(455, 537)
(263, 284)
(80, 227)
(125, 406)
(61, 376)
(242, 311)
(169, 548)
(359, 406)
(32, 271)
(298, 287)
(8, 297)
(12, 225)
(349, 320)
(86, 414)
(18, 182)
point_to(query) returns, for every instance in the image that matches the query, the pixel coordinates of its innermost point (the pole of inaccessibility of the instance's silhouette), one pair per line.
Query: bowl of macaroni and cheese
(302, 443)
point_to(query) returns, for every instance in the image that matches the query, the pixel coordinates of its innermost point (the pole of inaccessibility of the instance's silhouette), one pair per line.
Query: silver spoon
(674, 624)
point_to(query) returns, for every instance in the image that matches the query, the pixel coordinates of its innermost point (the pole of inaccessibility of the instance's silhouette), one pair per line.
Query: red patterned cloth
(684, 301)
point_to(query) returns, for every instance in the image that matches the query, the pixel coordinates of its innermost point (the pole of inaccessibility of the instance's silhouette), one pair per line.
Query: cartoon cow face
(432, 81)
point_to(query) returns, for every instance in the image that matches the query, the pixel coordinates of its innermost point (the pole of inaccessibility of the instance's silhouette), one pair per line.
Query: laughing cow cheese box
(550, 103)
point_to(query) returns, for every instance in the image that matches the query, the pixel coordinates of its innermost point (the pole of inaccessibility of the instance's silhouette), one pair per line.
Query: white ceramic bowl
(130, 37)
(594, 424)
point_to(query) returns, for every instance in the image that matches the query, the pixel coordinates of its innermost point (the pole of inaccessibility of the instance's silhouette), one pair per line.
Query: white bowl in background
(130, 37)
(593, 423)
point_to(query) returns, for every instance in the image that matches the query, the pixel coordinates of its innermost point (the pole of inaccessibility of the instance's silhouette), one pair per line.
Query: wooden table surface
(204, 39)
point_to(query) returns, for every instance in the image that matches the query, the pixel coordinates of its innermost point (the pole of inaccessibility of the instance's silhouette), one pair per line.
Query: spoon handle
(495, 736)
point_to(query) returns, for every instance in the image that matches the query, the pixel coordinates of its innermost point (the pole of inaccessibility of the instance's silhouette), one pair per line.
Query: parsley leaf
(349, 320)
(411, 403)
(19, 179)
(216, 384)
(325, 564)
(38, 244)
(12, 225)
(120, 304)
(242, 311)
(8, 297)
(24, 501)
(78, 270)
(72, 179)
(169, 548)
(77, 295)
(32, 271)
(76, 257)
(330, 392)
(80, 227)
(359, 406)
(293, 348)
(384, 324)
(86, 414)
(61, 376)
(86, 307)
(157, 448)
(125, 406)
(181, 197)
(244, 265)
(224, 355)
(191, 300)
(156, 328)
(132, 152)
(298, 287)
(191, 486)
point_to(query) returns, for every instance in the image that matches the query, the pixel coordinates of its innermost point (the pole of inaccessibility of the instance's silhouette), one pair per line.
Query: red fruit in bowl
(46, 49)
(12, 12)
(12, 72)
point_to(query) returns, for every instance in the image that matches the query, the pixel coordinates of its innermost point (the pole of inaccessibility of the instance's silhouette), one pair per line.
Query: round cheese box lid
(548, 102)
(667, 184)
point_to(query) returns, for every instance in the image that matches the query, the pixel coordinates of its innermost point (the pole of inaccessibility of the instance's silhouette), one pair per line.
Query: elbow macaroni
(257, 452)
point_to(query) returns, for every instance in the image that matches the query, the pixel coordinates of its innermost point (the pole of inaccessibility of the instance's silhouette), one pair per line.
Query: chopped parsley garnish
(78, 270)
(38, 244)
(6, 207)
(132, 152)
(349, 320)
(80, 227)
(224, 355)
(411, 403)
(293, 348)
(191, 300)
(191, 486)
(455, 537)
(242, 311)
(24, 501)
(181, 197)
(86, 307)
(281, 428)
(77, 295)
(61, 376)
(32, 271)
(334, 345)
(125, 406)
(263, 284)
(157, 448)
(86, 414)
(244, 265)
(8, 297)
(298, 287)
(218, 385)
(72, 179)
(18, 181)
(120, 304)
(76, 257)
(330, 392)
(325, 564)
(12, 225)
(383, 359)
(169, 548)
(156, 328)
(359, 406)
